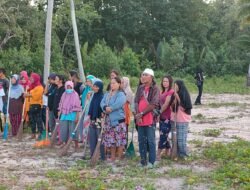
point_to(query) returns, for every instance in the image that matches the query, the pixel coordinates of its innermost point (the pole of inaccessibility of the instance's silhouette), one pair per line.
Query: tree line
(173, 36)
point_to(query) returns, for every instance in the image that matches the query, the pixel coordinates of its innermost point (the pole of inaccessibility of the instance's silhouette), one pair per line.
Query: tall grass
(212, 85)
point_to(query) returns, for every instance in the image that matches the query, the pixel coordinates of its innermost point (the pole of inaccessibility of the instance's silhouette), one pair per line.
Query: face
(114, 85)
(146, 78)
(13, 80)
(57, 81)
(113, 75)
(88, 82)
(51, 81)
(69, 87)
(95, 88)
(71, 78)
(176, 87)
(23, 80)
(31, 80)
(165, 83)
(1, 74)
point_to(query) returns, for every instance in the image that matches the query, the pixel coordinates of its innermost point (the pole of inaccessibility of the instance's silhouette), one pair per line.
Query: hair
(115, 71)
(62, 78)
(119, 81)
(170, 79)
(2, 70)
(74, 73)
(184, 96)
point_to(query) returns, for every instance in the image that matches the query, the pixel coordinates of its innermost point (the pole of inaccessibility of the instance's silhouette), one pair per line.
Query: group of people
(87, 111)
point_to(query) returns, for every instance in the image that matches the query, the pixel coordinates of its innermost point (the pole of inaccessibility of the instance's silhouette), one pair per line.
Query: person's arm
(155, 101)
(166, 104)
(119, 102)
(103, 102)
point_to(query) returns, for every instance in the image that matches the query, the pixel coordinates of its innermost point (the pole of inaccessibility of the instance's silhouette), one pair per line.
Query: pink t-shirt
(167, 113)
(147, 119)
(181, 117)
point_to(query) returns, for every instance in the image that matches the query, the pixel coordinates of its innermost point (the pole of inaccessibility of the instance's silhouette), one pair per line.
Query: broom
(130, 152)
(46, 142)
(54, 135)
(65, 149)
(20, 130)
(86, 137)
(174, 137)
(96, 154)
(6, 125)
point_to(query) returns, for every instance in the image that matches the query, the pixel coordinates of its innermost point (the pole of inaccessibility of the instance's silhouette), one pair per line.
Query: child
(69, 109)
(16, 104)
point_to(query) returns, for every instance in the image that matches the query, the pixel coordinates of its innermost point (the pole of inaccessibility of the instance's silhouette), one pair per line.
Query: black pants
(35, 116)
(200, 89)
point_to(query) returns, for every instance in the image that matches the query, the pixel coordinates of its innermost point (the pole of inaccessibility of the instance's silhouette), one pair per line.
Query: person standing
(181, 107)
(36, 101)
(95, 114)
(114, 137)
(147, 99)
(69, 111)
(199, 83)
(74, 77)
(4, 84)
(165, 125)
(16, 104)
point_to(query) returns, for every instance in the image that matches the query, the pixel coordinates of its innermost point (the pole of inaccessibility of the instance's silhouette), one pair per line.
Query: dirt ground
(22, 165)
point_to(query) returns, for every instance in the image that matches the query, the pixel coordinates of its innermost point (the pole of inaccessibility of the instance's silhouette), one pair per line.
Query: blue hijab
(87, 89)
(16, 89)
(95, 108)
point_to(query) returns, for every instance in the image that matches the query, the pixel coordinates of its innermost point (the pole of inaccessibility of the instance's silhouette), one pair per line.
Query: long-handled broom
(130, 152)
(174, 137)
(20, 130)
(54, 135)
(86, 125)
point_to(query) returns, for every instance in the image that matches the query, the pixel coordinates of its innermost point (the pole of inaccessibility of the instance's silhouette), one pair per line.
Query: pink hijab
(24, 75)
(70, 102)
(36, 78)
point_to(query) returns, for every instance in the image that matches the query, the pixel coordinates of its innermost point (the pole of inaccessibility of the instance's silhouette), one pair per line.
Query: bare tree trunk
(47, 51)
(78, 52)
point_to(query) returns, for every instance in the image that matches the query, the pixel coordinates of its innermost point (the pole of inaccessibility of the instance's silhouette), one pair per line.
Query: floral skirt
(114, 136)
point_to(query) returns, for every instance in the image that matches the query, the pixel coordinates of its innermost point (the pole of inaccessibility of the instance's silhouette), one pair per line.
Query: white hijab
(127, 90)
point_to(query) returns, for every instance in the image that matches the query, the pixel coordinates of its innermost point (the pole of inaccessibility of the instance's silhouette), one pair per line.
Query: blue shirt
(68, 117)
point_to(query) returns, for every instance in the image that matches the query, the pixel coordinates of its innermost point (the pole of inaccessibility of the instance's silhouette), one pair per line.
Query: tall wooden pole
(78, 52)
(47, 52)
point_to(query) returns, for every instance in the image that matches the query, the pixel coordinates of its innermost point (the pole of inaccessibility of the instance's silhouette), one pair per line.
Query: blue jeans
(146, 135)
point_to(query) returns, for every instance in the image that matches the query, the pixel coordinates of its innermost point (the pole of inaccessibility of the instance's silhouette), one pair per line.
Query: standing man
(147, 100)
(199, 82)
(4, 84)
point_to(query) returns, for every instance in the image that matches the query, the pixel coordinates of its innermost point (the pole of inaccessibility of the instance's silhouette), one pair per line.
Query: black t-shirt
(51, 94)
(57, 97)
(4, 83)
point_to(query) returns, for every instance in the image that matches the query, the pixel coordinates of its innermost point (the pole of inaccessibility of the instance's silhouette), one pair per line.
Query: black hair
(185, 100)
(74, 73)
(170, 79)
(2, 70)
(61, 77)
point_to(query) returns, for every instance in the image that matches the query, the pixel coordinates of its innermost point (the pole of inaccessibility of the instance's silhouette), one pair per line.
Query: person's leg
(200, 92)
(151, 142)
(142, 139)
(182, 129)
(64, 131)
(74, 133)
(32, 121)
(162, 140)
(168, 144)
(39, 120)
(92, 139)
(52, 121)
(12, 122)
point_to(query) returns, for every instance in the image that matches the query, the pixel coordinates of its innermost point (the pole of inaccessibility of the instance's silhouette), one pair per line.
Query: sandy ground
(21, 164)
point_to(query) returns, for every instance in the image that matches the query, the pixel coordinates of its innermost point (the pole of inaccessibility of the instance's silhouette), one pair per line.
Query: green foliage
(234, 169)
(211, 132)
(101, 60)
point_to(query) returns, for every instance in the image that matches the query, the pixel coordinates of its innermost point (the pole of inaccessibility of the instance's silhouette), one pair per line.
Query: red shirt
(167, 113)
(147, 119)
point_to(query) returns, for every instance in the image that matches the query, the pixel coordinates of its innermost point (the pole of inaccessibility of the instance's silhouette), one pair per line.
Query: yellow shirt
(36, 96)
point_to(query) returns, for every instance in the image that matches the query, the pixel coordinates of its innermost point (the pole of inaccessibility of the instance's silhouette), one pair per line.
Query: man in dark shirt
(60, 80)
(76, 80)
(4, 83)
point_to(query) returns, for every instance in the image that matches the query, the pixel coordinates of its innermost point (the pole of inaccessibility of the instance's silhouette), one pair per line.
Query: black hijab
(95, 108)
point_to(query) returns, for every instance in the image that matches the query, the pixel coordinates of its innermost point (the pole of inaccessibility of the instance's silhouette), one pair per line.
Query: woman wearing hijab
(95, 112)
(69, 109)
(35, 95)
(24, 81)
(16, 104)
(129, 100)
(181, 107)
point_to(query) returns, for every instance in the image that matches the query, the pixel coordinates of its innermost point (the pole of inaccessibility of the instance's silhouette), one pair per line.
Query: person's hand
(26, 95)
(108, 110)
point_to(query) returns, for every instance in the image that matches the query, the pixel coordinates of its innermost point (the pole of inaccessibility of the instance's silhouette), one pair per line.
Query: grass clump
(234, 165)
(211, 132)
